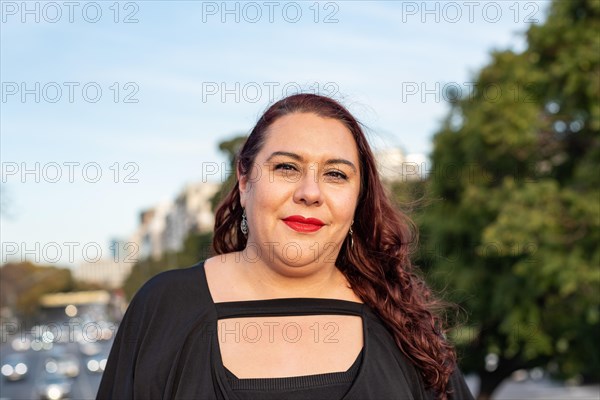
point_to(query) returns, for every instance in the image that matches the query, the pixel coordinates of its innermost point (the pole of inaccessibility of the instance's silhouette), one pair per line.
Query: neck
(314, 280)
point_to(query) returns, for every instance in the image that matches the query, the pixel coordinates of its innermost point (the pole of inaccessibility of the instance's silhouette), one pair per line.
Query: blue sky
(166, 72)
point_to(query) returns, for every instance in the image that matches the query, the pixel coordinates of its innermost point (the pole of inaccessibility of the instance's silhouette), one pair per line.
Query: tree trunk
(489, 381)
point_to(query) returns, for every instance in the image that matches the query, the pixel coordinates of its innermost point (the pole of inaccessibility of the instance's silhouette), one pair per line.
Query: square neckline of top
(275, 307)
(267, 302)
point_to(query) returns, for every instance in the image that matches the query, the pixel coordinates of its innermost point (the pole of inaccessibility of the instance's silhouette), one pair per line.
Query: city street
(84, 385)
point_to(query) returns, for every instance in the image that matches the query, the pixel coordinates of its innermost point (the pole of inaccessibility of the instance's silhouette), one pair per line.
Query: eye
(335, 175)
(287, 171)
(285, 167)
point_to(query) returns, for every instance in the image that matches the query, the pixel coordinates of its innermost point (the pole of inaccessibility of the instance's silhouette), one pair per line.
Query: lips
(301, 224)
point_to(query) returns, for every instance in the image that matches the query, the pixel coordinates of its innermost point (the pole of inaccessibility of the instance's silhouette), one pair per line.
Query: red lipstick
(301, 224)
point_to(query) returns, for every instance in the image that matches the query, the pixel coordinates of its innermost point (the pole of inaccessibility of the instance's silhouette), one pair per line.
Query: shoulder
(173, 288)
(182, 277)
(225, 279)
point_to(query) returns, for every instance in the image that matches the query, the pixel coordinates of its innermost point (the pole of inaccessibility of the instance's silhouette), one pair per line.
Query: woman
(312, 294)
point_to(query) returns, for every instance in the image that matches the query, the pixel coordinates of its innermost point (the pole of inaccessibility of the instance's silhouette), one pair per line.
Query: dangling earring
(244, 224)
(350, 232)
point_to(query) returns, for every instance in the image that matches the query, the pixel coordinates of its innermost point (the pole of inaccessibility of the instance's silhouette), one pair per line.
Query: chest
(273, 347)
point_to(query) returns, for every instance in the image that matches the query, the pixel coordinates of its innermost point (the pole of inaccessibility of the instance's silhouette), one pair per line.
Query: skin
(308, 166)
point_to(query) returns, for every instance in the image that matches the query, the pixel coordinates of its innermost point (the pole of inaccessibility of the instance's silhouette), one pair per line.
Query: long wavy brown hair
(378, 264)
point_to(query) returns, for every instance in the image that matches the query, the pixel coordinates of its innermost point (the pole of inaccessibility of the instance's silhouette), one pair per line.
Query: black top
(320, 386)
(166, 346)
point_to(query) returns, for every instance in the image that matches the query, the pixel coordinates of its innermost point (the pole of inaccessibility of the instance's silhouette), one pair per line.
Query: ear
(243, 185)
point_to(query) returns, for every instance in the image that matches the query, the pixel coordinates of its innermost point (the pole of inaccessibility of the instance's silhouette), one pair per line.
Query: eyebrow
(299, 158)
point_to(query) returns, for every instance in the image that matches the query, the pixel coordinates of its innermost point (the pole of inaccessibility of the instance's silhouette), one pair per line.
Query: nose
(308, 189)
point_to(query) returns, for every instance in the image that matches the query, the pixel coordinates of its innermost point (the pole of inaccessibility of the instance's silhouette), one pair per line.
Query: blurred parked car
(106, 330)
(65, 364)
(54, 386)
(39, 345)
(96, 363)
(89, 348)
(14, 367)
(21, 343)
(62, 361)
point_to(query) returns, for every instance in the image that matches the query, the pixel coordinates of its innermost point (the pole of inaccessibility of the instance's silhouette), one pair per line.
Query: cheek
(344, 205)
(266, 195)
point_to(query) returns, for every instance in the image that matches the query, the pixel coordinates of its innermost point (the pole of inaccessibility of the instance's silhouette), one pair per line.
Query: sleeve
(118, 377)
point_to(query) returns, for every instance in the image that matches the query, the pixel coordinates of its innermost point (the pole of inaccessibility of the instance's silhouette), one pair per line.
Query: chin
(298, 269)
(307, 258)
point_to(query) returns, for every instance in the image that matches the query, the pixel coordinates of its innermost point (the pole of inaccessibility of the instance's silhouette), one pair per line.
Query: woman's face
(301, 193)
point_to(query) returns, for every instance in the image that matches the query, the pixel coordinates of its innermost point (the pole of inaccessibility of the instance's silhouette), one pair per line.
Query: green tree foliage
(23, 284)
(512, 234)
(230, 148)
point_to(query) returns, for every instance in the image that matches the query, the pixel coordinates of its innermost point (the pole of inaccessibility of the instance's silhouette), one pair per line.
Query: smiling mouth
(301, 224)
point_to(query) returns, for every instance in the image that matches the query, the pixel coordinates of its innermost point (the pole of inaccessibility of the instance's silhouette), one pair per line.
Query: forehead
(311, 135)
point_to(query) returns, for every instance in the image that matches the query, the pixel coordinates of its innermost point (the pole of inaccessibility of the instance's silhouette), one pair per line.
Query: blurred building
(106, 272)
(416, 166)
(395, 165)
(191, 212)
(148, 238)
(389, 164)
(165, 227)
